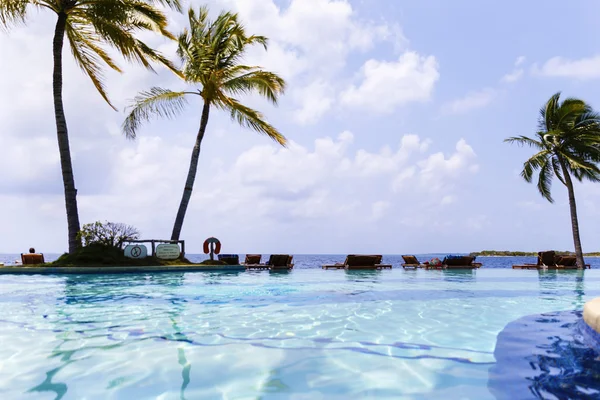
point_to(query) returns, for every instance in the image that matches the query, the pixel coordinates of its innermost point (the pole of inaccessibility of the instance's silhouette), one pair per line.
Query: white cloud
(520, 60)
(472, 101)
(310, 42)
(584, 68)
(438, 172)
(315, 99)
(513, 76)
(388, 85)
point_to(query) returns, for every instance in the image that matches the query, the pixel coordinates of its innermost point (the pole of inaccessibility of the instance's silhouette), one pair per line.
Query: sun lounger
(460, 262)
(32, 258)
(252, 261)
(230, 259)
(411, 261)
(549, 260)
(360, 262)
(280, 262)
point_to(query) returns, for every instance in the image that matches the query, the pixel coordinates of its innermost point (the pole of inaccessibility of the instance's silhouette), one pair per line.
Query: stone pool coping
(33, 270)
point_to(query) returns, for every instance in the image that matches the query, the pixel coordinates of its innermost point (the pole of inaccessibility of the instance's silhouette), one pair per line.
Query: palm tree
(89, 25)
(211, 53)
(568, 144)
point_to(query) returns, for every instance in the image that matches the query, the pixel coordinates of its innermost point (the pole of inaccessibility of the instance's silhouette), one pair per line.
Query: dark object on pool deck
(545, 357)
(411, 261)
(32, 258)
(253, 262)
(549, 260)
(280, 262)
(230, 259)
(354, 261)
(276, 262)
(458, 262)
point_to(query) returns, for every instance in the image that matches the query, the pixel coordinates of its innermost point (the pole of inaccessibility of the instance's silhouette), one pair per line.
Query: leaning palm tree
(568, 144)
(211, 53)
(90, 26)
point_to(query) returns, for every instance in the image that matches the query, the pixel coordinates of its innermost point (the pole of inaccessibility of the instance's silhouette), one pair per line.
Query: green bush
(107, 233)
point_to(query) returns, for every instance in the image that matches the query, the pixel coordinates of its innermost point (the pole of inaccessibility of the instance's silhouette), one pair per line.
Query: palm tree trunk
(574, 220)
(63, 136)
(189, 183)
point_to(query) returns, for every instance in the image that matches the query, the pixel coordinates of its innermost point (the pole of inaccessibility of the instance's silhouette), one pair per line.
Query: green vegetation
(88, 27)
(100, 255)
(107, 233)
(504, 253)
(568, 144)
(211, 52)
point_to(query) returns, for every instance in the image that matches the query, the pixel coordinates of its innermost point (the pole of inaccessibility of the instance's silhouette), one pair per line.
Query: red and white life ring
(207, 245)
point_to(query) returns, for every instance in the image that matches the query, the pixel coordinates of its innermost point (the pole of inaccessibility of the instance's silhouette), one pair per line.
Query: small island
(506, 253)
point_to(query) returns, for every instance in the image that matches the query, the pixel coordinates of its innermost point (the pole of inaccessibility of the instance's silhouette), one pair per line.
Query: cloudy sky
(395, 112)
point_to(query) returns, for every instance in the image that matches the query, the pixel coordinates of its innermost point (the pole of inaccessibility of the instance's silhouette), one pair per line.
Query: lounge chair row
(449, 262)
(550, 260)
(253, 261)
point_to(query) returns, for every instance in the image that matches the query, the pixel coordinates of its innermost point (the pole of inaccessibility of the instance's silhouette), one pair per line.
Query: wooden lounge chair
(279, 262)
(360, 262)
(32, 258)
(460, 262)
(230, 259)
(549, 260)
(410, 261)
(252, 261)
(568, 262)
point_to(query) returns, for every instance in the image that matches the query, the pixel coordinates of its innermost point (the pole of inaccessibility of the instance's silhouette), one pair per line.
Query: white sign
(136, 251)
(168, 251)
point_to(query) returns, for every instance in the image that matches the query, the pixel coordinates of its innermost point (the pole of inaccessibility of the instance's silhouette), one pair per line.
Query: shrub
(107, 233)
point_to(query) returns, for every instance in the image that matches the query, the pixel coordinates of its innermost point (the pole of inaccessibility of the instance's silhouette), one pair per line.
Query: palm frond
(156, 102)
(267, 84)
(544, 184)
(525, 141)
(586, 174)
(13, 12)
(88, 54)
(249, 118)
(116, 23)
(536, 162)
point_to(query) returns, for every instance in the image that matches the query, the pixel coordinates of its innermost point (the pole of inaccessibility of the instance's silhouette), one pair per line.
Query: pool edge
(20, 270)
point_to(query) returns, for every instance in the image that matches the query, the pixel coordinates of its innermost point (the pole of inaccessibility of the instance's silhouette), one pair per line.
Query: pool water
(307, 334)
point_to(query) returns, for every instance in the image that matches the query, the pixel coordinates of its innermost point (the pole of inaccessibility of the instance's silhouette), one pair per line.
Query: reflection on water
(459, 275)
(99, 293)
(363, 275)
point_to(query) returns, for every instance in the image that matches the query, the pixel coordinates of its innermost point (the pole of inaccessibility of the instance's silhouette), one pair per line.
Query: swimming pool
(307, 334)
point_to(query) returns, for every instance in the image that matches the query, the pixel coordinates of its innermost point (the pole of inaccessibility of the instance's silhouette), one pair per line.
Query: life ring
(210, 241)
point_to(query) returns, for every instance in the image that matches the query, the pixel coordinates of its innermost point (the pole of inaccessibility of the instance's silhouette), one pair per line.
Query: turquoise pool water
(308, 334)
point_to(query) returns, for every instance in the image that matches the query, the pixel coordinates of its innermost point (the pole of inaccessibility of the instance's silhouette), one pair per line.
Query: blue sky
(395, 112)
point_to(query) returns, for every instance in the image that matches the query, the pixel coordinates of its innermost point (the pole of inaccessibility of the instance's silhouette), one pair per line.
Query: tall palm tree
(211, 53)
(568, 144)
(90, 25)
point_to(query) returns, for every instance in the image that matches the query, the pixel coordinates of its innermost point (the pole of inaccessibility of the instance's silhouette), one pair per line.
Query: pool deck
(35, 270)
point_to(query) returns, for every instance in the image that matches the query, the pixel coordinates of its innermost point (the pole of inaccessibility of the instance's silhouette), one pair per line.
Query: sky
(395, 112)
